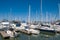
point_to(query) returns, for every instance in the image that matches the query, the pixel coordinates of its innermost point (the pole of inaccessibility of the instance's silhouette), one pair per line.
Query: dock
(4, 34)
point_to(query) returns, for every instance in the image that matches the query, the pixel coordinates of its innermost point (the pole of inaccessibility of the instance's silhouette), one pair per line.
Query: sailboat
(9, 30)
(32, 26)
(57, 23)
(46, 27)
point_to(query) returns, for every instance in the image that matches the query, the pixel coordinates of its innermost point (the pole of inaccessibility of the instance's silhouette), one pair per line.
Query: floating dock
(4, 34)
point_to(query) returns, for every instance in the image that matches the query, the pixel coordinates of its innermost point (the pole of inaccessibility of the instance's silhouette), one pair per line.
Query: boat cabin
(5, 24)
(57, 23)
(45, 25)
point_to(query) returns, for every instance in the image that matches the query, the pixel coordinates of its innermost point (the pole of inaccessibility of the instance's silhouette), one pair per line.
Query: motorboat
(4, 25)
(57, 26)
(12, 33)
(33, 31)
(34, 26)
(47, 28)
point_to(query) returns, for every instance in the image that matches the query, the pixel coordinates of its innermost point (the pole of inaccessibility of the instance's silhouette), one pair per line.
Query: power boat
(32, 26)
(31, 30)
(16, 25)
(4, 25)
(57, 26)
(12, 33)
(47, 28)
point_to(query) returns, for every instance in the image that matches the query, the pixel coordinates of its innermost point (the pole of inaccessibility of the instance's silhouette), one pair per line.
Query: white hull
(11, 33)
(33, 31)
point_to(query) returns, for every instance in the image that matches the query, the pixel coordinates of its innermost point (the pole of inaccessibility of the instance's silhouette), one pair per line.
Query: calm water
(41, 36)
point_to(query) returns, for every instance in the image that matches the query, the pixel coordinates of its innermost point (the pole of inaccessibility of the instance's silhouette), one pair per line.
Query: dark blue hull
(52, 31)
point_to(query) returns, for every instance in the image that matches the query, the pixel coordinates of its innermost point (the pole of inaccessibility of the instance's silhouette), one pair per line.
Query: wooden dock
(4, 34)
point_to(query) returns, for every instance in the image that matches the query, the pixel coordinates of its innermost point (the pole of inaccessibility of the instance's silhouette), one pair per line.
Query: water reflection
(11, 39)
(41, 36)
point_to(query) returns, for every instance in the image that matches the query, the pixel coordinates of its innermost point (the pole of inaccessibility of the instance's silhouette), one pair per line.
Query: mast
(46, 16)
(29, 14)
(50, 17)
(59, 10)
(10, 14)
(36, 16)
(41, 12)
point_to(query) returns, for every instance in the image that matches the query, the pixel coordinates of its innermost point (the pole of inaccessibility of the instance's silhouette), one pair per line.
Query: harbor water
(41, 36)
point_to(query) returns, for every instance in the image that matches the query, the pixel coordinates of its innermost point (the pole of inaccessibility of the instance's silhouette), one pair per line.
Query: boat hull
(51, 31)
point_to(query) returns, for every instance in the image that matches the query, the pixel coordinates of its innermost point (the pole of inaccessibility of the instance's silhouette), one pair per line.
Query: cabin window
(26, 27)
(18, 25)
(23, 22)
(6, 24)
(45, 25)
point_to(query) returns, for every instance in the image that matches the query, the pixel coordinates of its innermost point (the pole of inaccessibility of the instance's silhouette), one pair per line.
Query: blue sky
(18, 9)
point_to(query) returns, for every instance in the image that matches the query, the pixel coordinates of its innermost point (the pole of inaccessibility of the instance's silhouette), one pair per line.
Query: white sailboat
(47, 27)
(57, 24)
(32, 30)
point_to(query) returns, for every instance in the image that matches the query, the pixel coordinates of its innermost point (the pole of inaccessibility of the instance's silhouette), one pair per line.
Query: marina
(30, 20)
(11, 31)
